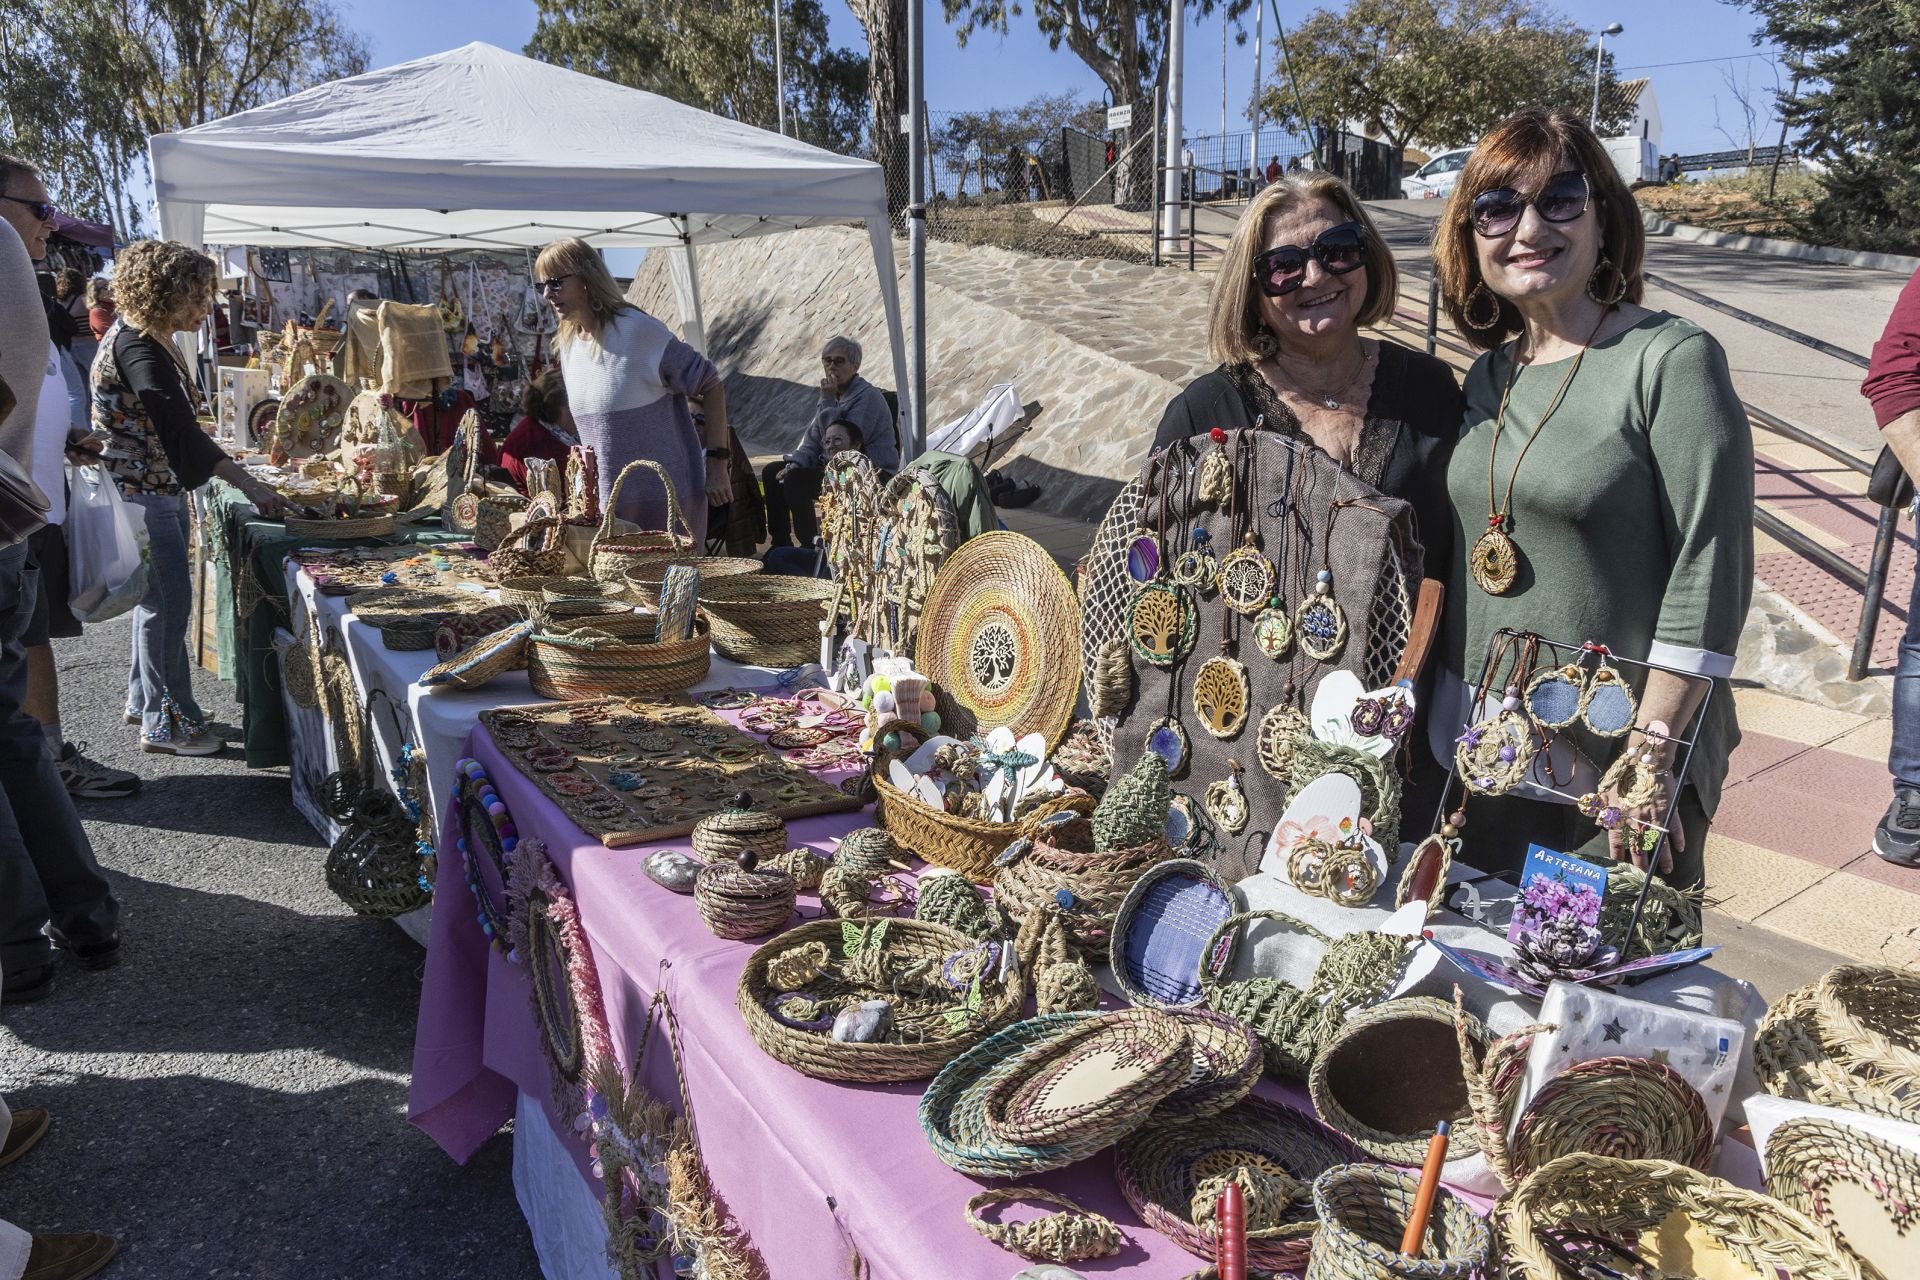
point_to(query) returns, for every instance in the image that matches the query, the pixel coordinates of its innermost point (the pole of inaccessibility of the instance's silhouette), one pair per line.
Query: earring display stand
(1556, 653)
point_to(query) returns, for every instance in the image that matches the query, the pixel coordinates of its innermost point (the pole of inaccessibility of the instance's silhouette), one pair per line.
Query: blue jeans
(1904, 760)
(160, 688)
(47, 869)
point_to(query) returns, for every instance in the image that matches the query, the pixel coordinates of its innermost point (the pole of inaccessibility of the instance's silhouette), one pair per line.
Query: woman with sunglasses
(627, 382)
(1602, 491)
(1305, 272)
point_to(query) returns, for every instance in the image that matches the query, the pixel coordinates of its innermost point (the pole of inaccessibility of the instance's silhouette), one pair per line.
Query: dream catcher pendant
(1494, 561)
(1319, 623)
(1198, 568)
(1168, 740)
(1282, 723)
(1215, 487)
(1492, 757)
(1246, 578)
(1161, 623)
(1273, 630)
(1143, 556)
(1226, 802)
(1222, 697)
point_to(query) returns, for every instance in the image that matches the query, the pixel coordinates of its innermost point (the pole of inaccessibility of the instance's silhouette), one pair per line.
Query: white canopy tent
(479, 148)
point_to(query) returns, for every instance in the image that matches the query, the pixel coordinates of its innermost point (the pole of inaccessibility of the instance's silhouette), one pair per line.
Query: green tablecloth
(251, 554)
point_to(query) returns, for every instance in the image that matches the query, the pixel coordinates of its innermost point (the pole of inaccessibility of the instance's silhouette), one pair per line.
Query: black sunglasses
(1283, 268)
(552, 286)
(1564, 198)
(42, 209)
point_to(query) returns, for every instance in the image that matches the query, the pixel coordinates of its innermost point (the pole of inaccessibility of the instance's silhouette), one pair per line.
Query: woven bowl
(1155, 1170)
(738, 903)
(525, 592)
(371, 526)
(766, 619)
(1391, 1072)
(1099, 883)
(1627, 1108)
(1857, 1185)
(577, 664)
(556, 589)
(1363, 1211)
(1619, 1199)
(1851, 1039)
(1227, 1060)
(815, 1054)
(643, 573)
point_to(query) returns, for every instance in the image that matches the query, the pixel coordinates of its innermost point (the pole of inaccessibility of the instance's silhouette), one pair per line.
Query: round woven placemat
(1862, 1188)
(1628, 1108)
(1000, 623)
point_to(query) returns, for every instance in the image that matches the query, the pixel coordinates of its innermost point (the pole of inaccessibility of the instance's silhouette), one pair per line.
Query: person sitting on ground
(545, 429)
(793, 483)
(841, 436)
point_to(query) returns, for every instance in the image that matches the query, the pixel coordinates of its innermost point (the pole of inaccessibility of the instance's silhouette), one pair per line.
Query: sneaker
(89, 779)
(1897, 838)
(29, 1126)
(69, 1257)
(200, 744)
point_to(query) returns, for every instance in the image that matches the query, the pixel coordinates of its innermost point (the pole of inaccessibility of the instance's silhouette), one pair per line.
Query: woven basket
(1363, 1210)
(524, 592)
(1155, 1169)
(646, 570)
(765, 619)
(906, 943)
(1851, 1040)
(740, 902)
(375, 865)
(582, 664)
(967, 845)
(739, 829)
(568, 617)
(1099, 883)
(611, 553)
(546, 561)
(493, 523)
(1160, 927)
(1390, 1073)
(1627, 1108)
(1809, 1158)
(456, 631)
(554, 590)
(1619, 1199)
(374, 526)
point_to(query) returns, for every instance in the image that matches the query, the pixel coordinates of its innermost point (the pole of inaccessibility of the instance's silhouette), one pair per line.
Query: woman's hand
(1625, 842)
(719, 483)
(265, 500)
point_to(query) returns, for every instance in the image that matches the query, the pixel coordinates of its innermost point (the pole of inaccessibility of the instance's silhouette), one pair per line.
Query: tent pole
(917, 211)
(686, 274)
(887, 276)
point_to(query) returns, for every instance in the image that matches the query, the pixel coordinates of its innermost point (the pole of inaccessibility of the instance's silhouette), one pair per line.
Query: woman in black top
(1306, 271)
(144, 419)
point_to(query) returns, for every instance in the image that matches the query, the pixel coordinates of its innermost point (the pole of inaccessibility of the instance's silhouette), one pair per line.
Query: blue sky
(1001, 70)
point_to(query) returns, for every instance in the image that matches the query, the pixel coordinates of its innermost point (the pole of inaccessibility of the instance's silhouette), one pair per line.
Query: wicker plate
(1628, 1108)
(1862, 1188)
(1227, 1060)
(957, 1132)
(1155, 1170)
(998, 618)
(1164, 921)
(1092, 1083)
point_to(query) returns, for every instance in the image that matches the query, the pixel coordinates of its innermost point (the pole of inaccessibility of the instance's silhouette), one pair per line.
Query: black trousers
(790, 516)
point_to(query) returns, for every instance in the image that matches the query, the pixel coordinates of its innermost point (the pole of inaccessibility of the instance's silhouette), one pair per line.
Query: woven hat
(1000, 623)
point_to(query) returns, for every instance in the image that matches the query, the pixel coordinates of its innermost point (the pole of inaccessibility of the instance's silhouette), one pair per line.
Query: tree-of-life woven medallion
(1320, 626)
(993, 657)
(1246, 579)
(1226, 804)
(1494, 561)
(1274, 747)
(1221, 696)
(1161, 624)
(1273, 630)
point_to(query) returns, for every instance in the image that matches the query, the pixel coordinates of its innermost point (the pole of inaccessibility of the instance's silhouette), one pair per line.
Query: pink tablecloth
(812, 1169)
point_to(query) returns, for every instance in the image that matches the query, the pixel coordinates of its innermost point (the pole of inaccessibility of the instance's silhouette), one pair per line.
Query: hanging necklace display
(1494, 560)
(1226, 802)
(1319, 623)
(1222, 697)
(1162, 622)
(1492, 757)
(1247, 577)
(1198, 569)
(1608, 707)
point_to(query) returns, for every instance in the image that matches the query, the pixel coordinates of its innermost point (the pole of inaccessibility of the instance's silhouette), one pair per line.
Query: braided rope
(1074, 1235)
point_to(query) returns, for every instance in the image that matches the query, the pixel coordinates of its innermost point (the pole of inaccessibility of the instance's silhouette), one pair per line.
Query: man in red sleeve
(1893, 385)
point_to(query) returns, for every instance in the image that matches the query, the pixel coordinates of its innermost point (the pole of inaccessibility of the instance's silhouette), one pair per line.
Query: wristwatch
(720, 453)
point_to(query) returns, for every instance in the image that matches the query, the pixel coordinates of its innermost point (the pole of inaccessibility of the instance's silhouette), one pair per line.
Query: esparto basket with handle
(613, 552)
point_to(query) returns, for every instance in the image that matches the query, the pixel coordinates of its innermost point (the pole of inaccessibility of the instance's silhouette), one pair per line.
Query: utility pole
(1253, 123)
(779, 68)
(917, 215)
(1176, 51)
(1599, 43)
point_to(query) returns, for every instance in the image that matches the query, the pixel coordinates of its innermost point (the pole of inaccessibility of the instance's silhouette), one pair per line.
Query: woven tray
(1629, 1108)
(997, 620)
(1227, 1060)
(1160, 928)
(813, 1053)
(1619, 1199)
(374, 526)
(1862, 1188)
(954, 1127)
(764, 619)
(1390, 1073)
(1155, 1168)
(577, 664)
(1851, 1039)
(1089, 1085)
(1363, 1212)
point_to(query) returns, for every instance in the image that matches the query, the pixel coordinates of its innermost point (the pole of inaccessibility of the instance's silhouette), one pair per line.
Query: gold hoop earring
(1612, 297)
(1479, 295)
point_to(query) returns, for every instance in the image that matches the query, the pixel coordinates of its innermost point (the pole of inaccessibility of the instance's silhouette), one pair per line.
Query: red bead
(1217, 436)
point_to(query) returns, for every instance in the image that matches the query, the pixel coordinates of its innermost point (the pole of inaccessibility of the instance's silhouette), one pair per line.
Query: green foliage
(1439, 71)
(88, 81)
(716, 55)
(1134, 810)
(1855, 107)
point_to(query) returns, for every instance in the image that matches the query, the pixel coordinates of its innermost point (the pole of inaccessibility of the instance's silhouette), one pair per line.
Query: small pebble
(864, 1023)
(671, 869)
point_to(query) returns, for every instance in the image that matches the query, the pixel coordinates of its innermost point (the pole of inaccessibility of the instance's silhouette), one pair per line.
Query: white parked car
(1434, 180)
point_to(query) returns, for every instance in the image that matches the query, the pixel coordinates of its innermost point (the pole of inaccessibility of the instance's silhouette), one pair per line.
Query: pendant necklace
(1494, 560)
(1331, 397)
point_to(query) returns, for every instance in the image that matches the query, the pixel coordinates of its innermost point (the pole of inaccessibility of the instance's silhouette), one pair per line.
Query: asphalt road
(230, 1101)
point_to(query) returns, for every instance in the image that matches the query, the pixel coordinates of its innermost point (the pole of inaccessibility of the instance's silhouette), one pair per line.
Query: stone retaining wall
(1099, 346)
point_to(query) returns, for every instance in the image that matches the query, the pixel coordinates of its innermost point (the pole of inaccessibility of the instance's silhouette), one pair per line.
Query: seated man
(804, 560)
(793, 483)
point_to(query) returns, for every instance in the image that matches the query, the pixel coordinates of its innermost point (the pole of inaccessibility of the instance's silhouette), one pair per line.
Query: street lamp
(1599, 41)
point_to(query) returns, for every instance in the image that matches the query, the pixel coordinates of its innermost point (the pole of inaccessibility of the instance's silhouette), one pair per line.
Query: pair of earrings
(1603, 702)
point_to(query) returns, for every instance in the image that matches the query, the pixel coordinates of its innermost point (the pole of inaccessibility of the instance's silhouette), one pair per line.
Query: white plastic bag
(106, 547)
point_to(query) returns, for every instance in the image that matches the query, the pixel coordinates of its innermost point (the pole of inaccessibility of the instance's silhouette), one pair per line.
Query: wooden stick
(1424, 1194)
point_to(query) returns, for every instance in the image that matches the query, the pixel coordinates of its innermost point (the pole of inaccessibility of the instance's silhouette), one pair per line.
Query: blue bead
(1323, 576)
